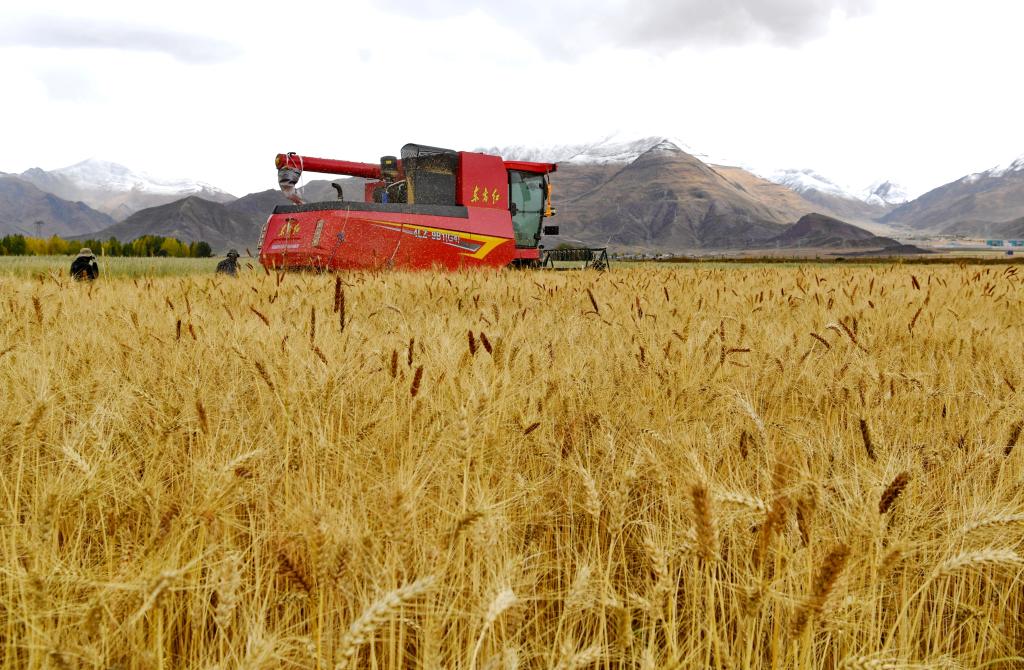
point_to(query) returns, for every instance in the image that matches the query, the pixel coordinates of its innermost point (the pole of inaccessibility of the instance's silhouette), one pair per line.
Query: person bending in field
(229, 266)
(84, 267)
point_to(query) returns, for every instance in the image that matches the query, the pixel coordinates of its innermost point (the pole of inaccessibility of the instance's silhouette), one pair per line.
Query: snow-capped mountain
(100, 174)
(860, 206)
(610, 150)
(882, 193)
(977, 204)
(1002, 170)
(806, 180)
(885, 193)
(616, 149)
(116, 189)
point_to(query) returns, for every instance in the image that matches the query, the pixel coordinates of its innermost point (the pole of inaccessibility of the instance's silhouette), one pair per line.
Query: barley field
(751, 467)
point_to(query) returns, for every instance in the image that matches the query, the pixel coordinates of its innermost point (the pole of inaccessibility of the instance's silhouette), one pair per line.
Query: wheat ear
(978, 559)
(229, 582)
(892, 492)
(998, 520)
(867, 663)
(707, 535)
(504, 600)
(824, 582)
(580, 659)
(378, 613)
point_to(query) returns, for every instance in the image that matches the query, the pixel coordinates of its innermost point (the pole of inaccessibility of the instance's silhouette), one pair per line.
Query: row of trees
(147, 245)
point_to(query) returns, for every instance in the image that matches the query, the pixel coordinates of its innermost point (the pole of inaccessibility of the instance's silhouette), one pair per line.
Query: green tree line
(147, 245)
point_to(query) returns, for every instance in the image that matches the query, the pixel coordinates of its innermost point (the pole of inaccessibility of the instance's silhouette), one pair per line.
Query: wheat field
(110, 266)
(788, 467)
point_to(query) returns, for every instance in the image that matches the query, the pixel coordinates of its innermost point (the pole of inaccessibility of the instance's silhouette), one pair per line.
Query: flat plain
(746, 467)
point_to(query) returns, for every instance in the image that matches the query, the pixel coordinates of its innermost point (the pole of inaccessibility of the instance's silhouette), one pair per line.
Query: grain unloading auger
(431, 208)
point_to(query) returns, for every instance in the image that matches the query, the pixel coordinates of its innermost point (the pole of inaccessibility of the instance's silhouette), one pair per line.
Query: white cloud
(62, 32)
(916, 90)
(69, 85)
(575, 27)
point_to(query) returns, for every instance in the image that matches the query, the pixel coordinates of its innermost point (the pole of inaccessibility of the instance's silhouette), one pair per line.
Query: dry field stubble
(742, 468)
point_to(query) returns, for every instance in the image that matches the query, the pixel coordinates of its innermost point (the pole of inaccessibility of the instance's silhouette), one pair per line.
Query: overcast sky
(919, 91)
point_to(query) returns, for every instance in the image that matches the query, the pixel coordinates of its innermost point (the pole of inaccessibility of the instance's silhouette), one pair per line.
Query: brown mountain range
(662, 200)
(1008, 230)
(974, 205)
(192, 219)
(22, 204)
(817, 231)
(115, 189)
(668, 200)
(847, 209)
(665, 200)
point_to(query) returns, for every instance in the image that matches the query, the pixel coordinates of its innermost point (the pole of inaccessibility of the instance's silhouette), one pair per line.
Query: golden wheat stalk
(228, 583)
(869, 663)
(505, 599)
(752, 502)
(592, 499)
(892, 492)
(996, 521)
(869, 446)
(1011, 442)
(977, 560)
(580, 659)
(261, 315)
(377, 614)
(704, 521)
(824, 582)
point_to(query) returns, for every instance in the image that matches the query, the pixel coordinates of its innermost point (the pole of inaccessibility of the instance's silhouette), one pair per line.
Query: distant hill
(786, 204)
(22, 204)
(654, 195)
(191, 219)
(832, 199)
(668, 200)
(896, 250)
(968, 206)
(260, 205)
(1011, 230)
(792, 193)
(818, 231)
(117, 190)
(236, 224)
(1004, 230)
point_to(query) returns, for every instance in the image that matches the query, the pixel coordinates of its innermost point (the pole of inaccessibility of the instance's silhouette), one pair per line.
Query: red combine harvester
(433, 208)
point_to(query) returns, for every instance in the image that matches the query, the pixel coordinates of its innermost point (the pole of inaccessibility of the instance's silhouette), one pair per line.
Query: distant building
(994, 243)
(1017, 243)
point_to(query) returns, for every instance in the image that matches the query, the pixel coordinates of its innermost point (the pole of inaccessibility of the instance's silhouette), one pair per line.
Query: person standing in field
(229, 266)
(84, 267)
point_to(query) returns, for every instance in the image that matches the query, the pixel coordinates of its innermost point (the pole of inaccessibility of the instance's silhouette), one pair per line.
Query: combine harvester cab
(433, 208)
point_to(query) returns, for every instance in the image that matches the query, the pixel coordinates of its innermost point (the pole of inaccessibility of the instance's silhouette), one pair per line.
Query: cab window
(526, 199)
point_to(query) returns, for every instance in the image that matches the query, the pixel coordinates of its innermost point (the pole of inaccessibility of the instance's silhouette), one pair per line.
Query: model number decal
(436, 235)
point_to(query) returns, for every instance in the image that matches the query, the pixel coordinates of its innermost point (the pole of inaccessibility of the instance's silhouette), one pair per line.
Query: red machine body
(432, 208)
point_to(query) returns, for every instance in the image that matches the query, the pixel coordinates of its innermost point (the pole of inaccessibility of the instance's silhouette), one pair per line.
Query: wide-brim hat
(86, 252)
(232, 252)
